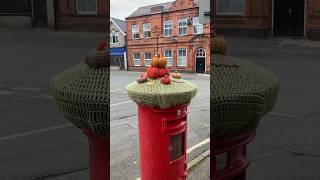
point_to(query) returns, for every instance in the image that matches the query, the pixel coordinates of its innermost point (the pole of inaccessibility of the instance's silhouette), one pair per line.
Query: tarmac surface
(287, 145)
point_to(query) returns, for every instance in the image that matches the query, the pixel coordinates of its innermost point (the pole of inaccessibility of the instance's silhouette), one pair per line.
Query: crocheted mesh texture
(154, 94)
(241, 93)
(82, 95)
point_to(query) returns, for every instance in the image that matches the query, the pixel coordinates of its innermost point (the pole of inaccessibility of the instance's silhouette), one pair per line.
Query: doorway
(201, 60)
(40, 18)
(288, 17)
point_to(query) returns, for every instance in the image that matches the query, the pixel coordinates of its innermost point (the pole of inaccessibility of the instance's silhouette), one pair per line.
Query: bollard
(82, 95)
(162, 119)
(241, 94)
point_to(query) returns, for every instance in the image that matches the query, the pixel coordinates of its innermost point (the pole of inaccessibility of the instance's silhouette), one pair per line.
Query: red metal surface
(161, 133)
(235, 149)
(99, 150)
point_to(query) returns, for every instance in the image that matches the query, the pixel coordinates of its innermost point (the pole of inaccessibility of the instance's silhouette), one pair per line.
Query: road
(36, 142)
(287, 145)
(124, 133)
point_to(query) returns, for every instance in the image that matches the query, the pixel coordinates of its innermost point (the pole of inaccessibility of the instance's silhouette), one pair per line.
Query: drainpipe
(32, 13)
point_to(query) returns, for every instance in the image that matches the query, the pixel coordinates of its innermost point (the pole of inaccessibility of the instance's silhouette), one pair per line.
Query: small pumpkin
(176, 75)
(162, 62)
(142, 78)
(165, 80)
(154, 61)
(153, 72)
(163, 72)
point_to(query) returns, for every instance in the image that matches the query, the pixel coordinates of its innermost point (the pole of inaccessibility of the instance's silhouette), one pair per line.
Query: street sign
(204, 11)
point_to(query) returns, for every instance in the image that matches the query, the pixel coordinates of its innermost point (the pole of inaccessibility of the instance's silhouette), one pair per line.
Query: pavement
(287, 145)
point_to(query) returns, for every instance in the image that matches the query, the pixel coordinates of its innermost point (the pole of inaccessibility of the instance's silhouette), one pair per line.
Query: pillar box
(241, 94)
(162, 101)
(82, 95)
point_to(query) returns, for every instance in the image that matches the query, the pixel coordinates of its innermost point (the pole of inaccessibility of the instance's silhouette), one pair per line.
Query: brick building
(267, 17)
(79, 15)
(83, 15)
(173, 30)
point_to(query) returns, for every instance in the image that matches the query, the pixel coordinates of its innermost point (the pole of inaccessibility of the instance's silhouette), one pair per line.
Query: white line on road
(199, 158)
(117, 104)
(202, 143)
(29, 133)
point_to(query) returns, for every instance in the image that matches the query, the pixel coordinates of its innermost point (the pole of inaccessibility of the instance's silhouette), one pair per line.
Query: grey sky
(121, 9)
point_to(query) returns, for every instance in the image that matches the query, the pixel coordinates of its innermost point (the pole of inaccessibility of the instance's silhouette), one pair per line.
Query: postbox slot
(176, 147)
(174, 125)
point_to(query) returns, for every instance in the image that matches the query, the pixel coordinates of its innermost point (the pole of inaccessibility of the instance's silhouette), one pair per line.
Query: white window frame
(116, 34)
(87, 12)
(196, 25)
(134, 60)
(146, 30)
(164, 28)
(167, 57)
(186, 26)
(138, 32)
(230, 13)
(145, 59)
(186, 57)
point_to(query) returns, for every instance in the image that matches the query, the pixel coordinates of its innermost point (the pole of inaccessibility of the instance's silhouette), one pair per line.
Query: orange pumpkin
(176, 75)
(153, 72)
(163, 72)
(162, 62)
(154, 61)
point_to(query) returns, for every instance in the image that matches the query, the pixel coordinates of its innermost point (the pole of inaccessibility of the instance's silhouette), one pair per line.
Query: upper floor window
(167, 28)
(197, 27)
(182, 26)
(114, 37)
(136, 59)
(88, 7)
(168, 57)
(230, 7)
(182, 57)
(147, 58)
(147, 30)
(135, 31)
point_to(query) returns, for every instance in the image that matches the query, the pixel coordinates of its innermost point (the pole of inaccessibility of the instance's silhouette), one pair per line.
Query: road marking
(29, 133)
(199, 158)
(117, 104)
(122, 90)
(202, 143)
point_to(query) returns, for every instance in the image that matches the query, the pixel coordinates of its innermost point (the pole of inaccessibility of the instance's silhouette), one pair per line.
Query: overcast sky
(121, 9)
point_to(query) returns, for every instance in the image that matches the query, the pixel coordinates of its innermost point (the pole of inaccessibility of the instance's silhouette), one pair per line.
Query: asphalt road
(30, 148)
(124, 132)
(287, 145)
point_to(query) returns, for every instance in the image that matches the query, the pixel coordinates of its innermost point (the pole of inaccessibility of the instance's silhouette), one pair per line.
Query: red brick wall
(67, 17)
(258, 18)
(173, 43)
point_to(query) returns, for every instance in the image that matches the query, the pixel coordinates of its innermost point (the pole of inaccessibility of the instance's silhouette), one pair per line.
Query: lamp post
(158, 31)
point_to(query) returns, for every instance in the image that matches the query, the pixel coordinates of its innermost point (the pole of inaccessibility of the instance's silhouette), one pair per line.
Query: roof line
(111, 20)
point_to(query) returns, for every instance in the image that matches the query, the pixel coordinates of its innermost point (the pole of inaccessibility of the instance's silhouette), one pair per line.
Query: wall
(67, 17)
(121, 38)
(190, 42)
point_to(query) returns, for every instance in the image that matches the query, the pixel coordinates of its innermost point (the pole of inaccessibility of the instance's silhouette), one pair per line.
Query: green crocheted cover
(154, 94)
(82, 94)
(241, 93)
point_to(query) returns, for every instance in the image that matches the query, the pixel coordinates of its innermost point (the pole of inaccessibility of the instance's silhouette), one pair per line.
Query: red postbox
(162, 139)
(233, 151)
(98, 156)
(162, 117)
